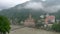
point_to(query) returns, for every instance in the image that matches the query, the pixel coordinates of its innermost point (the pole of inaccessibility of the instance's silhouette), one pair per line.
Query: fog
(46, 5)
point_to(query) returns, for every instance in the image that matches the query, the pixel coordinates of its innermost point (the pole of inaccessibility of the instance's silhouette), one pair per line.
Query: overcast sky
(10, 3)
(47, 5)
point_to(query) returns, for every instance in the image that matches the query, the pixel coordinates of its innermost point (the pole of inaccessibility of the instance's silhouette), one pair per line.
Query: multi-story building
(50, 19)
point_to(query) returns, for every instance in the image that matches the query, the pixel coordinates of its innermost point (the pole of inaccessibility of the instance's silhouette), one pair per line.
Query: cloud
(48, 6)
(54, 8)
(37, 0)
(10, 3)
(43, 0)
(34, 5)
(0, 9)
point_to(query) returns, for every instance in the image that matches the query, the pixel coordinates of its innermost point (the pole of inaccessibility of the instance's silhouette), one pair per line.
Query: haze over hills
(35, 8)
(20, 9)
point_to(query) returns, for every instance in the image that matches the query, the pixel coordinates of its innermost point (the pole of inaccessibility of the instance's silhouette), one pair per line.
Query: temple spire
(30, 16)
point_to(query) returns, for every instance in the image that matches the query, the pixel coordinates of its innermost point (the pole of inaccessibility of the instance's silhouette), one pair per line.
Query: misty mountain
(20, 12)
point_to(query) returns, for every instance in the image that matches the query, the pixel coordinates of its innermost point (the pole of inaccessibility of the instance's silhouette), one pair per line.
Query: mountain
(57, 15)
(20, 13)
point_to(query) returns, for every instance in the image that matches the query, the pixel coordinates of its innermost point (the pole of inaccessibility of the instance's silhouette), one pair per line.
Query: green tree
(56, 27)
(4, 25)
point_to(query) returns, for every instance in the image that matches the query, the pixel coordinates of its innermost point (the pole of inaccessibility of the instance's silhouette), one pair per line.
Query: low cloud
(34, 5)
(44, 6)
(54, 8)
(0, 9)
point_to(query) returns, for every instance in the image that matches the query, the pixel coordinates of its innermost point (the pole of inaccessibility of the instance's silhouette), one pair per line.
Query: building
(30, 22)
(50, 19)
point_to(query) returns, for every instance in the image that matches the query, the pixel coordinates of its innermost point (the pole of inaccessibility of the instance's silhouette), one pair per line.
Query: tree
(4, 25)
(56, 27)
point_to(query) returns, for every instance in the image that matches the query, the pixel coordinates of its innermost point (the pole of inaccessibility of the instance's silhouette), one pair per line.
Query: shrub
(56, 27)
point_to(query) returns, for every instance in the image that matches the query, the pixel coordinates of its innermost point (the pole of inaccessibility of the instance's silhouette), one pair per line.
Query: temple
(30, 22)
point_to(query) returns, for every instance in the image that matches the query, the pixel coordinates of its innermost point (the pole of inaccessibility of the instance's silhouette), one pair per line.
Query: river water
(27, 30)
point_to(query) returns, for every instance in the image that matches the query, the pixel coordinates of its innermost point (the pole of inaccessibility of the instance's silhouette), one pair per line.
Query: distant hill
(21, 13)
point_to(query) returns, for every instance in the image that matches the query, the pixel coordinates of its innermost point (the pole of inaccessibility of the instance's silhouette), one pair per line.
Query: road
(27, 30)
